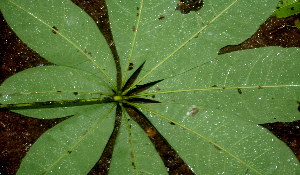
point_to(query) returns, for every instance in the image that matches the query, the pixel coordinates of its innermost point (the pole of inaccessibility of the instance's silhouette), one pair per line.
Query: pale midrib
(214, 88)
(49, 92)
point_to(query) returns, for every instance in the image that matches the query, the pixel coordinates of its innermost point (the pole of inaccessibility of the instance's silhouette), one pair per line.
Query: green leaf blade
(174, 41)
(259, 85)
(212, 141)
(46, 83)
(76, 43)
(65, 147)
(286, 8)
(144, 153)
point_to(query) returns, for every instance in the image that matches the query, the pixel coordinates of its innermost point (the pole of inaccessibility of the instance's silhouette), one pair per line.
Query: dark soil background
(18, 132)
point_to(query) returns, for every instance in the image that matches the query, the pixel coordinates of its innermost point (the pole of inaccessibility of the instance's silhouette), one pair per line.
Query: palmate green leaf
(73, 146)
(125, 158)
(261, 85)
(213, 132)
(62, 33)
(216, 142)
(52, 83)
(181, 41)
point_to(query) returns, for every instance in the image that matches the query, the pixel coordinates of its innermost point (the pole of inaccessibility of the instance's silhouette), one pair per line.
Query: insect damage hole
(54, 29)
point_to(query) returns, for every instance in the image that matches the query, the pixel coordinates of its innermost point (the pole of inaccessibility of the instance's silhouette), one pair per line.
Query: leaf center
(118, 98)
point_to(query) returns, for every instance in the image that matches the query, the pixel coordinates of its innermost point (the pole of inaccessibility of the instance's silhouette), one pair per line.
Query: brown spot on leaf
(131, 66)
(131, 154)
(185, 6)
(133, 165)
(193, 112)
(215, 146)
(75, 93)
(239, 91)
(161, 17)
(133, 28)
(55, 29)
(157, 89)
